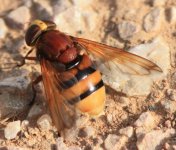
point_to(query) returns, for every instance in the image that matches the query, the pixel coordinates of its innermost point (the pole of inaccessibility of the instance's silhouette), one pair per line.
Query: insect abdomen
(88, 93)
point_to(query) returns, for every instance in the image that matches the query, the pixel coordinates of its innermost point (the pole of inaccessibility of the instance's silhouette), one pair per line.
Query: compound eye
(32, 34)
(35, 30)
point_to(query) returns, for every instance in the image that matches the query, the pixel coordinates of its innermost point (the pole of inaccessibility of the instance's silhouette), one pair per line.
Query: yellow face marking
(43, 26)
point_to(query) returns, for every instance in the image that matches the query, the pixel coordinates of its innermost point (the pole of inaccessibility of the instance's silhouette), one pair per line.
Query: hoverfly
(70, 79)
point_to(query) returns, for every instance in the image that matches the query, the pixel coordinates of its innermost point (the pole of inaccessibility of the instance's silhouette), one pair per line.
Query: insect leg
(34, 83)
(27, 57)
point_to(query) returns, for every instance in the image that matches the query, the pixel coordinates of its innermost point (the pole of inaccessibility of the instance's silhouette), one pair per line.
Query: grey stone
(127, 29)
(153, 20)
(16, 94)
(35, 110)
(12, 129)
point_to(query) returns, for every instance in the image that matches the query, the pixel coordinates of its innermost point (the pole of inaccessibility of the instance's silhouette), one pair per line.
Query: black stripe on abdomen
(86, 93)
(79, 76)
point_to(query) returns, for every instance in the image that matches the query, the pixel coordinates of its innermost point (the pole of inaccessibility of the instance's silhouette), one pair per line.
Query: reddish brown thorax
(55, 45)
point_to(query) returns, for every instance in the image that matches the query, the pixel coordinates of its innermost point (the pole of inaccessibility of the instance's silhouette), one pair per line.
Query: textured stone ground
(144, 119)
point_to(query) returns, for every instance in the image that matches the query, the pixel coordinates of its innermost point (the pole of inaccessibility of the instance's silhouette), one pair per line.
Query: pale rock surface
(127, 29)
(70, 134)
(80, 18)
(154, 139)
(45, 5)
(87, 131)
(44, 122)
(169, 106)
(128, 131)
(60, 144)
(172, 14)
(8, 5)
(16, 94)
(19, 17)
(157, 51)
(153, 20)
(12, 129)
(147, 120)
(156, 3)
(115, 142)
(3, 29)
(171, 93)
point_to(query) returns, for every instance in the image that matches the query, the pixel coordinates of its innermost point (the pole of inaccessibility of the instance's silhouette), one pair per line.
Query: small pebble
(127, 29)
(12, 129)
(174, 147)
(19, 17)
(3, 29)
(124, 101)
(146, 119)
(97, 141)
(171, 14)
(166, 145)
(24, 124)
(115, 142)
(171, 93)
(151, 140)
(86, 131)
(156, 3)
(109, 118)
(168, 123)
(153, 20)
(44, 122)
(60, 144)
(128, 131)
(74, 148)
(70, 134)
(169, 106)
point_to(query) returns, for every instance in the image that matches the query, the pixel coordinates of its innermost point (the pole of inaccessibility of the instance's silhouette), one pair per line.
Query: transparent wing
(114, 58)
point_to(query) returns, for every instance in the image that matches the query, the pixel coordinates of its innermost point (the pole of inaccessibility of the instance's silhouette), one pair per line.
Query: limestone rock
(3, 29)
(153, 20)
(19, 17)
(16, 94)
(147, 120)
(157, 51)
(127, 29)
(12, 129)
(154, 139)
(115, 142)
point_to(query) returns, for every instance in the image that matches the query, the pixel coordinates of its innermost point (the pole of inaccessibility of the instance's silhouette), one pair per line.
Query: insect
(70, 79)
